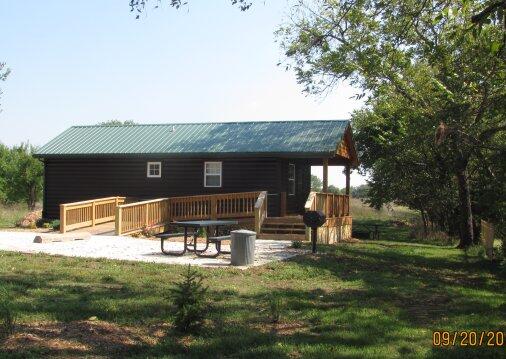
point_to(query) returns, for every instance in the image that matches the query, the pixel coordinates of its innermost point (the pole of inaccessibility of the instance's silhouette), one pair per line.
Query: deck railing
(88, 213)
(332, 205)
(134, 217)
(336, 208)
(260, 210)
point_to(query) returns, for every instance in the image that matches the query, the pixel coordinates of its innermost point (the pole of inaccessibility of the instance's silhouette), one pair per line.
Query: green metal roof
(239, 138)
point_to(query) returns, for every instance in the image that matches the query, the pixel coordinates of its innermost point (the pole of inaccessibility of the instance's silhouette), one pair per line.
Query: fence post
(118, 221)
(214, 207)
(93, 214)
(63, 218)
(146, 218)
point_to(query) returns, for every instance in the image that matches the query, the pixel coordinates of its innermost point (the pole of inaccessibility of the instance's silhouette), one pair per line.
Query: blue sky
(83, 62)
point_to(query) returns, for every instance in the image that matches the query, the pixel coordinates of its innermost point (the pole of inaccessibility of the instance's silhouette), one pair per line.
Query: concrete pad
(137, 249)
(61, 237)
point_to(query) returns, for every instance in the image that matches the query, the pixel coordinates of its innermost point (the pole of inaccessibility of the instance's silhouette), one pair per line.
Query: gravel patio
(136, 249)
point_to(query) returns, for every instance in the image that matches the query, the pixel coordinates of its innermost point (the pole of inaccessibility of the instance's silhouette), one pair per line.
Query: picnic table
(188, 246)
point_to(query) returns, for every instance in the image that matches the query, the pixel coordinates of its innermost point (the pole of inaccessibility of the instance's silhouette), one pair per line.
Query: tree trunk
(424, 221)
(466, 214)
(31, 197)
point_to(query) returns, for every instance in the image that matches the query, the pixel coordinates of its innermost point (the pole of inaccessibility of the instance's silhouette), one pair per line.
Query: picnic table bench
(372, 231)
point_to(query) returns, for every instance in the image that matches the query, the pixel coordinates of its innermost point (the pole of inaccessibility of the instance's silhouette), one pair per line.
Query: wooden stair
(285, 228)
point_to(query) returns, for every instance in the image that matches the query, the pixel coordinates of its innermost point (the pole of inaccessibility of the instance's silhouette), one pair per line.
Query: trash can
(242, 247)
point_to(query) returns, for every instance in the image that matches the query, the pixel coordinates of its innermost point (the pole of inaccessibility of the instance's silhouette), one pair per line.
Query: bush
(275, 306)
(201, 233)
(148, 231)
(40, 222)
(189, 296)
(7, 319)
(297, 244)
(55, 225)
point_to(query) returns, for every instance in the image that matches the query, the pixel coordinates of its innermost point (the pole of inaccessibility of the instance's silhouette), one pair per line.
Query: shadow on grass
(352, 300)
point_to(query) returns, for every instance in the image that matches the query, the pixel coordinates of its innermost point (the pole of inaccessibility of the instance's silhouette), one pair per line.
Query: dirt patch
(86, 337)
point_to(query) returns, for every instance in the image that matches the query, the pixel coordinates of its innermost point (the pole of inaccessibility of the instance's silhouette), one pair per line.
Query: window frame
(213, 174)
(148, 165)
(292, 182)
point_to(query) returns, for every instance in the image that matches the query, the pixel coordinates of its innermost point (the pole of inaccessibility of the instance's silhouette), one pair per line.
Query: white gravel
(135, 249)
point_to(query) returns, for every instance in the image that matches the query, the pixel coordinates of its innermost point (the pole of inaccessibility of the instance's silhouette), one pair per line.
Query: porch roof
(290, 138)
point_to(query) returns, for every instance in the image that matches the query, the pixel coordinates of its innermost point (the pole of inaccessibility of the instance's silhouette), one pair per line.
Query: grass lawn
(10, 214)
(372, 299)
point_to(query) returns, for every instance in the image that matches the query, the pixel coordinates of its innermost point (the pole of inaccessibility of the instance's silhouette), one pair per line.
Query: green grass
(10, 214)
(366, 300)
(362, 211)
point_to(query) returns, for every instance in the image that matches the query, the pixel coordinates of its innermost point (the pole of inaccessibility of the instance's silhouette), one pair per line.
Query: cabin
(183, 164)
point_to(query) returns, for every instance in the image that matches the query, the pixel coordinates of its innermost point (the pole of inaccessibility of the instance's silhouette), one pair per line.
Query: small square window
(212, 174)
(154, 169)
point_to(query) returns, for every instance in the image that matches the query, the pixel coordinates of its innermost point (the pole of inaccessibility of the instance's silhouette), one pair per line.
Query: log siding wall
(71, 180)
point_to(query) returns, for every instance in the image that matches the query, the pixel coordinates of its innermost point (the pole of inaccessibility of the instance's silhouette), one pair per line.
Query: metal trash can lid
(243, 231)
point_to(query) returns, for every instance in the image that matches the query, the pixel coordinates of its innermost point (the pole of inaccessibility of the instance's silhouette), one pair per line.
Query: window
(212, 174)
(291, 179)
(154, 169)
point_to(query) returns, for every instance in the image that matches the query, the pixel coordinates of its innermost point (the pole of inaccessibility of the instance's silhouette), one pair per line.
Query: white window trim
(154, 163)
(292, 179)
(220, 174)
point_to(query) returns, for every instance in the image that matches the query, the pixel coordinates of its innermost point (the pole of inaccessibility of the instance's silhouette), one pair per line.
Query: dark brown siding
(70, 180)
(295, 203)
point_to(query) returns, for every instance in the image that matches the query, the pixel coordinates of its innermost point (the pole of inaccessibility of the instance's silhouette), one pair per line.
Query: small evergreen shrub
(189, 296)
(275, 306)
(7, 319)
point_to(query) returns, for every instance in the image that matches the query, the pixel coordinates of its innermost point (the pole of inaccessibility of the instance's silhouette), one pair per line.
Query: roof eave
(327, 154)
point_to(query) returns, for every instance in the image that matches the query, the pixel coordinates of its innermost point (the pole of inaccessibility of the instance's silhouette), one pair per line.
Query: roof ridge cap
(209, 123)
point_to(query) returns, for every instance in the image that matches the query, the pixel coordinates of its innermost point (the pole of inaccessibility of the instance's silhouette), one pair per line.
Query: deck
(113, 215)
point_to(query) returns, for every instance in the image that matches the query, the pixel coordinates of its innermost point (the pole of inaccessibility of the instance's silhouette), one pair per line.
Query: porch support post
(282, 211)
(347, 172)
(325, 174)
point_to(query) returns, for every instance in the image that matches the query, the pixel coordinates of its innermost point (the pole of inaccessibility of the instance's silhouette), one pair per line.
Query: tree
(189, 296)
(21, 175)
(333, 189)
(4, 72)
(316, 183)
(140, 5)
(360, 191)
(422, 55)
(117, 123)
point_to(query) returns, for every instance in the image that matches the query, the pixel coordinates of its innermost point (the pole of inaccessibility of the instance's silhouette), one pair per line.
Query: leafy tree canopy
(140, 5)
(434, 86)
(4, 72)
(21, 175)
(316, 183)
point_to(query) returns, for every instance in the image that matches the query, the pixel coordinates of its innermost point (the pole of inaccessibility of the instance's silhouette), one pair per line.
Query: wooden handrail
(133, 217)
(88, 213)
(143, 202)
(310, 201)
(260, 210)
(332, 205)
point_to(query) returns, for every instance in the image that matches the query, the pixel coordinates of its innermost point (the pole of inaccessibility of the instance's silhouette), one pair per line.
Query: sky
(85, 62)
